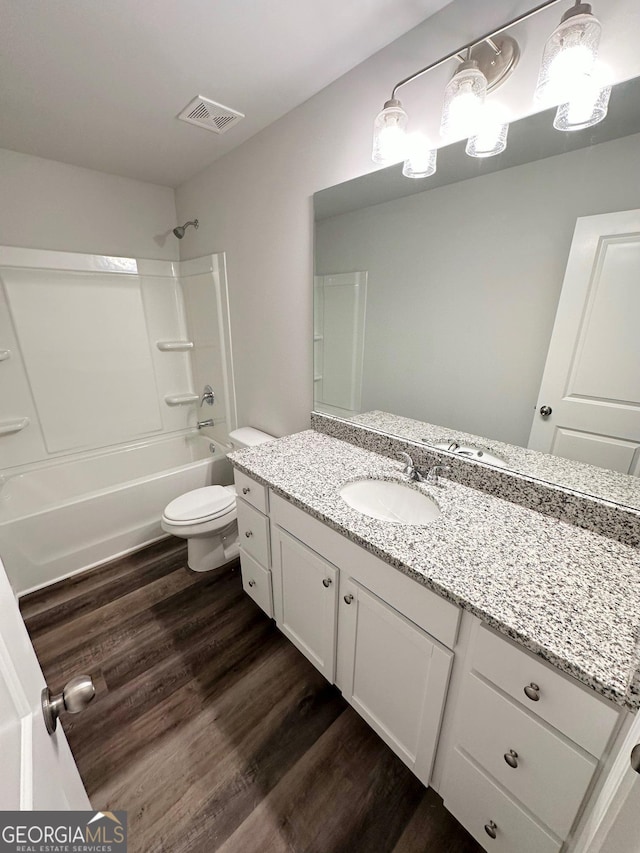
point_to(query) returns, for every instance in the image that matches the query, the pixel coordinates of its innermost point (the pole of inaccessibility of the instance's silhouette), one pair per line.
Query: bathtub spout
(203, 424)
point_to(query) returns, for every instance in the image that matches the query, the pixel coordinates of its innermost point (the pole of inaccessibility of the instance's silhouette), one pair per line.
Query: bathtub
(62, 518)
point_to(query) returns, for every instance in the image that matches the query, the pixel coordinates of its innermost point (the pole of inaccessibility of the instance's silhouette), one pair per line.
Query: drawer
(251, 491)
(477, 803)
(568, 706)
(256, 582)
(551, 776)
(253, 533)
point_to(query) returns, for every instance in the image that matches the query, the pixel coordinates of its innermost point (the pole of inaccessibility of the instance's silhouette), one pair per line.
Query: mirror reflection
(498, 298)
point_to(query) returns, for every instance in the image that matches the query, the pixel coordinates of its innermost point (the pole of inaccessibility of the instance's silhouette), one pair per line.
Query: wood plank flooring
(212, 730)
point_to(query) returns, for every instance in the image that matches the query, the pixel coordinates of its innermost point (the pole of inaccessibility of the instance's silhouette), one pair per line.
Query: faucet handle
(408, 466)
(434, 471)
(208, 396)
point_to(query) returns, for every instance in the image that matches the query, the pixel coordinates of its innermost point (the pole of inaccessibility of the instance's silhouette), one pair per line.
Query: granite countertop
(568, 595)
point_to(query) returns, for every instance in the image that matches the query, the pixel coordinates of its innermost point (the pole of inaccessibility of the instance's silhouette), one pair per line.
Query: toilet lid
(200, 504)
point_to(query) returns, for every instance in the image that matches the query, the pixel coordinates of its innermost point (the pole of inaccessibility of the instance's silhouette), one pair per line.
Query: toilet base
(205, 553)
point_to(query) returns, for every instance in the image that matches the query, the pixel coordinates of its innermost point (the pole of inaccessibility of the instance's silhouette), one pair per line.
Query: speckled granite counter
(568, 595)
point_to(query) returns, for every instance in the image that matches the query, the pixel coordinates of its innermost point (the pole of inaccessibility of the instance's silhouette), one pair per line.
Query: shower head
(179, 231)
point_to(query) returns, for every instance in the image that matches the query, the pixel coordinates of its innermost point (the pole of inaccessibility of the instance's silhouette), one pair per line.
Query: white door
(393, 674)
(305, 591)
(591, 379)
(38, 770)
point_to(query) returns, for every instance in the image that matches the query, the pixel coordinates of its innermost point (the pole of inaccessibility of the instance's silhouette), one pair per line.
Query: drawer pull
(348, 598)
(252, 583)
(327, 582)
(511, 758)
(248, 534)
(532, 691)
(491, 829)
(246, 490)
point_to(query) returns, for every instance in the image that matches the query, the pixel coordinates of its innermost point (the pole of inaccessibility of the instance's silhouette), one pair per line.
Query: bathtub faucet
(207, 423)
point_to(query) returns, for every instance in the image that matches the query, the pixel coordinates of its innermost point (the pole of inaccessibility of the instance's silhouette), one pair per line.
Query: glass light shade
(390, 134)
(464, 98)
(491, 134)
(421, 158)
(569, 55)
(587, 107)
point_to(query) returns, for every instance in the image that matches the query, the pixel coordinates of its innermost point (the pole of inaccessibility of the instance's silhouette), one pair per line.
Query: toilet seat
(201, 506)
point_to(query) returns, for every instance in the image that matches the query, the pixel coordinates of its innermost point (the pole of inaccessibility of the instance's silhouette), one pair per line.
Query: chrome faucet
(410, 469)
(207, 423)
(430, 478)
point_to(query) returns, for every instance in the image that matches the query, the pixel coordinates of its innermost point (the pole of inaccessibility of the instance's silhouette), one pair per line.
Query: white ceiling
(99, 83)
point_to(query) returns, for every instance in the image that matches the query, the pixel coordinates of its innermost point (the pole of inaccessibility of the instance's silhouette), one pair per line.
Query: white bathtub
(59, 519)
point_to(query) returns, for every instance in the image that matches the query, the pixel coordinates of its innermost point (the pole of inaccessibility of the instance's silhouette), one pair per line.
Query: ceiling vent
(205, 113)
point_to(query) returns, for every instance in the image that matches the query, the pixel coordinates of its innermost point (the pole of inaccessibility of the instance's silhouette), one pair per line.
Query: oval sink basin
(472, 451)
(390, 501)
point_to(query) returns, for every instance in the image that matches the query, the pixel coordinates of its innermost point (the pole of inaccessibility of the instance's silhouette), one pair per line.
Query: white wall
(463, 285)
(51, 205)
(256, 203)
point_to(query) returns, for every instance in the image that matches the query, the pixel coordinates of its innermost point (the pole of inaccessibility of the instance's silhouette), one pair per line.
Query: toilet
(206, 517)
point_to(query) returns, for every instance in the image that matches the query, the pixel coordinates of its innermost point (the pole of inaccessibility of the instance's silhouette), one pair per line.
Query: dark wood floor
(212, 730)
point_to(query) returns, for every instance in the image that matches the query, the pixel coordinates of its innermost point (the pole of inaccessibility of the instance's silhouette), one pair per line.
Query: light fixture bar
(472, 44)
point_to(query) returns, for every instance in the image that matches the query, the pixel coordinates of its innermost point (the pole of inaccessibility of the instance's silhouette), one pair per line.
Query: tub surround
(569, 595)
(381, 433)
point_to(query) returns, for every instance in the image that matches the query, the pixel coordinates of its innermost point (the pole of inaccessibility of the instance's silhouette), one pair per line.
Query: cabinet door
(393, 674)
(305, 591)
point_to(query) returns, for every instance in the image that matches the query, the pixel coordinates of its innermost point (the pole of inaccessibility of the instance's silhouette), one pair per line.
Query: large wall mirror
(472, 299)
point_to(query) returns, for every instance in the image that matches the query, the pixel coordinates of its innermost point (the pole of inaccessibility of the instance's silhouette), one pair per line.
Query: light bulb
(463, 101)
(421, 157)
(589, 102)
(390, 134)
(569, 55)
(491, 133)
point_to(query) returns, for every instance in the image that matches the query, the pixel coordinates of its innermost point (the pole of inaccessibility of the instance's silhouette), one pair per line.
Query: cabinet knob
(511, 758)
(348, 598)
(532, 691)
(246, 490)
(327, 582)
(252, 583)
(491, 829)
(248, 534)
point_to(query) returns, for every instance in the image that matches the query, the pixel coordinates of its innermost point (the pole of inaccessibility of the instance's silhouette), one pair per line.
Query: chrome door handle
(74, 698)
(545, 411)
(635, 758)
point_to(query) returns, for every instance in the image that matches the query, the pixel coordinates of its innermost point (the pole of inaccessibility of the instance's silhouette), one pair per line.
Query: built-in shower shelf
(174, 346)
(7, 427)
(181, 399)
(5, 354)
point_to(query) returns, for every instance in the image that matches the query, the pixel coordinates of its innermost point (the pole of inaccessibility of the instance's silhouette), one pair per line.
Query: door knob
(74, 698)
(327, 582)
(545, 411)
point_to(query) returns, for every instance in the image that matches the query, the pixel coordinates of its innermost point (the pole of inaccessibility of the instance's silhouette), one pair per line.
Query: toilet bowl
(206, 517)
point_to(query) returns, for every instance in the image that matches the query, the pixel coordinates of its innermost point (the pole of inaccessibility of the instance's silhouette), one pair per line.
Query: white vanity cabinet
(526, 747)
(252, 504)
(305, 592)
(393, 673)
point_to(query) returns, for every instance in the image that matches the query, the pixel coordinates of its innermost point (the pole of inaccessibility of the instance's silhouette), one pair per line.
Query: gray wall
(464, 282)
(50, 205)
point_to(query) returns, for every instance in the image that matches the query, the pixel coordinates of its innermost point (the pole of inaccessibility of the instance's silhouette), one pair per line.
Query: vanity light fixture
(421, 157)
(589, 103)
(566, 77)
(569, 55)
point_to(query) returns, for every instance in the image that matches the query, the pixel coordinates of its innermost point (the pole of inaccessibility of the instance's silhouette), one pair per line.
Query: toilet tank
(248, 437)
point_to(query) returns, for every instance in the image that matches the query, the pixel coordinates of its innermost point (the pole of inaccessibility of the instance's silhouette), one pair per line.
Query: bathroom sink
(390, 501)
(472, 451)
